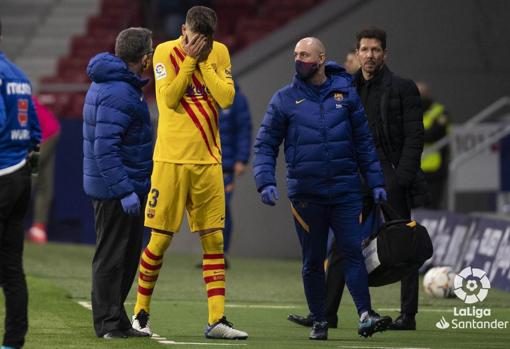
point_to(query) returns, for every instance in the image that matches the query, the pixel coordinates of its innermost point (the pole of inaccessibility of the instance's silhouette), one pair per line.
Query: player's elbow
(228, 99)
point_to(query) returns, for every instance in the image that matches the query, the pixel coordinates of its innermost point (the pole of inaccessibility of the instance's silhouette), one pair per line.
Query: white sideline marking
(424, 310)
(261, 306)
(86, 305)
(163, 340)
(363, 347)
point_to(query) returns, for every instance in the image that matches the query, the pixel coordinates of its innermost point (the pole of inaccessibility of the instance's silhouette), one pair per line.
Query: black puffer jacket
(399, 137)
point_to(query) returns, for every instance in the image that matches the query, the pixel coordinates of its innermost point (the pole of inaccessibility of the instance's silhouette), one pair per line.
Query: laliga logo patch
(159, 71)
(471, 285)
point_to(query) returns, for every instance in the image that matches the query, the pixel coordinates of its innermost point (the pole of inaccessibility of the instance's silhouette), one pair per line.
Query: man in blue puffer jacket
(235, 132)
(117, 164)
(327, 144)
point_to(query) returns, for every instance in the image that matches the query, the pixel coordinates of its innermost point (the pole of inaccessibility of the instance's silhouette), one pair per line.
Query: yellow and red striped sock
(213, 271)
(150, 265)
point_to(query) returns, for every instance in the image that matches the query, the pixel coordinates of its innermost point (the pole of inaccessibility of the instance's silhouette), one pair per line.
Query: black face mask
(305, 70)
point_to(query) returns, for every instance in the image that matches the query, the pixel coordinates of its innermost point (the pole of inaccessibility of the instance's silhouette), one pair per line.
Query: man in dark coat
(395, 117)
(117, 164)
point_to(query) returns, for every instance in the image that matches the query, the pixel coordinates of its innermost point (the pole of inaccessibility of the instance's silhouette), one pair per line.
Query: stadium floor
(260, 294)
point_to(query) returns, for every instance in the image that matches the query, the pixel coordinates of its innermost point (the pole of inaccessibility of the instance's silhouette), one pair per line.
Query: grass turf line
(59, 277)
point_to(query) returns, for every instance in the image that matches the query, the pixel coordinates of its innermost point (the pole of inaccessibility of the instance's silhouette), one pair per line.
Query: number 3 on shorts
(155, 195)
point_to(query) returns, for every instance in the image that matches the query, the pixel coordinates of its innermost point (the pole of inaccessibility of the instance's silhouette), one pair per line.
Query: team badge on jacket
(338, 96)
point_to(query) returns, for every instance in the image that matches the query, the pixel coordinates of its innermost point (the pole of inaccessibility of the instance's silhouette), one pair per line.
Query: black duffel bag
(395, 248)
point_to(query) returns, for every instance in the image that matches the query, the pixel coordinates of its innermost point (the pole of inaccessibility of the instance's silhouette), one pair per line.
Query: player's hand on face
(195, 45)
(206, 50)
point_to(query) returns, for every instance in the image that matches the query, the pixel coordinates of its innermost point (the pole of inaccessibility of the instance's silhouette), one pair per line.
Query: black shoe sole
(318, 338)
(299, 321)
(380, 326)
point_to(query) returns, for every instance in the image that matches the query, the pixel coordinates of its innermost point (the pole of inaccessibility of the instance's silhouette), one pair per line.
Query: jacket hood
(338, 74)
(106, 67)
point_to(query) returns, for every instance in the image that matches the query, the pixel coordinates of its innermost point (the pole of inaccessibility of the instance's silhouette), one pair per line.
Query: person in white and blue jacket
(20, 136)
(117, 165)
(327, 145)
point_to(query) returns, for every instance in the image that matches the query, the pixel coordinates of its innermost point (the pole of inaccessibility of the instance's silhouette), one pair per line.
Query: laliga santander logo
(471, 285)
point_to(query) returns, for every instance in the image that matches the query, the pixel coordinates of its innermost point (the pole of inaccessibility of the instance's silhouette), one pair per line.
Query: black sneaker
(371, 323)
(131, 332)
(319, 331)
(403, 323)
(306, 321)
(115, 334)
(141, 322)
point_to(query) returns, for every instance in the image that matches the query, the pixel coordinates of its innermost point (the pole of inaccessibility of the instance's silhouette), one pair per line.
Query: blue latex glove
(131, 204)
(269, 195)
(379, 195)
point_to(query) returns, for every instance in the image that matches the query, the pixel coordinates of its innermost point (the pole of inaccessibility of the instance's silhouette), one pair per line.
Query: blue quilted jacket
(327, 140)
(235, 132)
(117, 132)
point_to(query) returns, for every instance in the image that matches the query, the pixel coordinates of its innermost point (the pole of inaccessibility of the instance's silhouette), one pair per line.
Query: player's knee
(160, 241)
(212, 240)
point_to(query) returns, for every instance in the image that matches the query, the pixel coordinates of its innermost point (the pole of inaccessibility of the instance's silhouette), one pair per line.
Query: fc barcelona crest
(338, 96)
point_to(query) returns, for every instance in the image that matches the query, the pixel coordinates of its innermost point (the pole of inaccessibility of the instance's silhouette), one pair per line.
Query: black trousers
(436, 184)
(118, 246)
(399, 199)
(14, 201)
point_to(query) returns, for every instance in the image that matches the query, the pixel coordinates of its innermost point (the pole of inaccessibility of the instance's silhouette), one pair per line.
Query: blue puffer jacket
(19, 128)
(117, 132)
(235, 132)
(327, 140)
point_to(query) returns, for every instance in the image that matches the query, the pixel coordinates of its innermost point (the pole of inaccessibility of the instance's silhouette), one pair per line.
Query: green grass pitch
(260, 295)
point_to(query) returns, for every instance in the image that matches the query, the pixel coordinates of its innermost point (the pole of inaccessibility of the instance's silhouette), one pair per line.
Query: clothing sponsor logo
(471, 286)
(159, 71)
(338, 106)
(20, 135)
(197, 91)
(151, 213)
(338, 97)
(228, 73)
(18, 88)
(300, 101)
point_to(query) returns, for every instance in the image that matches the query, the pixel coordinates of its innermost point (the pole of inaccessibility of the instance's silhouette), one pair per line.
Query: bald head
(311, 44)
(310, 50)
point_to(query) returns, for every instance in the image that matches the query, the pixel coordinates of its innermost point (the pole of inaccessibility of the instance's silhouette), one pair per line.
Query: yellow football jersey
(189, 94)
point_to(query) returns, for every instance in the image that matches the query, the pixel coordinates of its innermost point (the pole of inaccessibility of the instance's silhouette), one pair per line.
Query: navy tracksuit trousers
(312, 225)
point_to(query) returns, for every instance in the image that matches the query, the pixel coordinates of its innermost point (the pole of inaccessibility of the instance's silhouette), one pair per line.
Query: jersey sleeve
(219, 81)
(171, 78)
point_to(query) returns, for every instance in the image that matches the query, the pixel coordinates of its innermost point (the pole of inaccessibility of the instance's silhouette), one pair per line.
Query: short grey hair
(132, 44)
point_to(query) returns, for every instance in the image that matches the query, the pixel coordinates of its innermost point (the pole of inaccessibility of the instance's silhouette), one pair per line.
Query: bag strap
(389, 212)
(376, 213)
